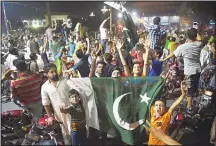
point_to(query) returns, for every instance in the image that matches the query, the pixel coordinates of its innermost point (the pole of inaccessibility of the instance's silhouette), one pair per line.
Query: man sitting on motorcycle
(26, 89)
(160, 118)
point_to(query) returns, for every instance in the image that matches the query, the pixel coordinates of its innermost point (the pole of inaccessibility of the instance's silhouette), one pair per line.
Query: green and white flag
(118, 106)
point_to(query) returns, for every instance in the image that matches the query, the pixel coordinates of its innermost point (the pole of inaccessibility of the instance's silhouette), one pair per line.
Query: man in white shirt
(10, 58)
(49, 32)
(54, 92)
(104, 34)
(204, 57)
(190, 52)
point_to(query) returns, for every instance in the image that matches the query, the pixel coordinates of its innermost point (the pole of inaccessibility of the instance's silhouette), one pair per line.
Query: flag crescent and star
(122, 123)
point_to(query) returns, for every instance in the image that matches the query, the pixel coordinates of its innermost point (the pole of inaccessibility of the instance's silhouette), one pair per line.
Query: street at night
(108, 73)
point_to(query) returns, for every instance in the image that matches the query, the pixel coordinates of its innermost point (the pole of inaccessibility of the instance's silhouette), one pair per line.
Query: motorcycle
(173, 80)
(39, 134)
(195, 129)
(43, 135)
(14, 124)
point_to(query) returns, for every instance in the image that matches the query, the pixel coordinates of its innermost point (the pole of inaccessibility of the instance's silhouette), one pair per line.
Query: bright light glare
(35, 25)
(119, 15)
(134, 13)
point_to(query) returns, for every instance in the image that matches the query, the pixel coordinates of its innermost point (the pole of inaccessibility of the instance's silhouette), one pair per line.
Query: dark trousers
(78, 137)
(97, 137)
(192, 82)
(44, 58)
(104, 44)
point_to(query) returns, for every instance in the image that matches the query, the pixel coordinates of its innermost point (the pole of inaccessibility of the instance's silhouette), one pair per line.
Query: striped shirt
(78, 120)
(156, 34)
(27, 88)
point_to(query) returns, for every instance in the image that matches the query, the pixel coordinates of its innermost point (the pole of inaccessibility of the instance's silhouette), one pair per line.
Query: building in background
(170, 13)
(34, 23)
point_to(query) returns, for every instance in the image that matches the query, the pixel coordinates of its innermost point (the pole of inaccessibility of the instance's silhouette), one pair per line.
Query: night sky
(16, 12)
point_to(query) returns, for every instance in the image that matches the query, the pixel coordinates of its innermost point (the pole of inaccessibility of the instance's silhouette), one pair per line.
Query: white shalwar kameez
(50, 95)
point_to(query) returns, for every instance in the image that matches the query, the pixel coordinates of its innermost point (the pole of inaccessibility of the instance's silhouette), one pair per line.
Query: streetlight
(5, 18)
(92, 14)
(120, 15)
(104, 10)
(134, 13)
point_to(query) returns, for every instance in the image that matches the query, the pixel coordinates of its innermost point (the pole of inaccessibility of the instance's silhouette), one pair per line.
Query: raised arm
(54, 28)
(179, 100)
(93, 65)
(119, 46)
(168, 57)
(146, 58)
(102, 24)
(45, 45)
(88, 46)
(146, 25)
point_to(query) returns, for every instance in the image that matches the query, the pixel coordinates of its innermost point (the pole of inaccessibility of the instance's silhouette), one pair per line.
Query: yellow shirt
(172, 46)
(162, 122)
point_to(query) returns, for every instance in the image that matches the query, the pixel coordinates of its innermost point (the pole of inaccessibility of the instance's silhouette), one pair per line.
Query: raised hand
(119, 44)
(147, 44)
(94, 56)
(183, 87)
(87, 39)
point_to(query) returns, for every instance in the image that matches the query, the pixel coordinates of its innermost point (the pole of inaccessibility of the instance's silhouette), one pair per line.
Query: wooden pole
(5, 17)
(49, 13)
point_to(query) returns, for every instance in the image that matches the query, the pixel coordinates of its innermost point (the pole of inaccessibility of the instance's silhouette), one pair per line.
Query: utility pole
(111, 22)
(5, 17)
(48, 13)
(110, 19)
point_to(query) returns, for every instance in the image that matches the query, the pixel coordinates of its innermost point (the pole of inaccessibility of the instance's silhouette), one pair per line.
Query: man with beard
(55, 93)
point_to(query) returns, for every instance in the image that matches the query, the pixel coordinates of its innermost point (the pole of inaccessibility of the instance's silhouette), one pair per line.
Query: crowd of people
(57, 57)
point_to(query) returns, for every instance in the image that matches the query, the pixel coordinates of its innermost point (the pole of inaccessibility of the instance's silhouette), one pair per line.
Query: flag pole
(5, 17)
(111, 23)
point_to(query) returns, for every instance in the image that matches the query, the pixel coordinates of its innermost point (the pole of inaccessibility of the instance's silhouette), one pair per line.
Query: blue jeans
(104, 44)
(78, 137)
(45, 58)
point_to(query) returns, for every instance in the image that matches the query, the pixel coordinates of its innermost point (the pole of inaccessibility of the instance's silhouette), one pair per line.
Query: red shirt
(138, 55)
(27, 88)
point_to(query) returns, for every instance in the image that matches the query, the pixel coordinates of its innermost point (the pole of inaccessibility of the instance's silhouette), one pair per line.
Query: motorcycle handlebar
(5, 99)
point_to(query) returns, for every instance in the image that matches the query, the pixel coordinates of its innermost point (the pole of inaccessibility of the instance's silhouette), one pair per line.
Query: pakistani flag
(129, 31)
(118, 106)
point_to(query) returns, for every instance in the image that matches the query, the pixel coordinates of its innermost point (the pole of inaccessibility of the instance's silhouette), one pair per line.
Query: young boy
(155, 65)
(78, 121)
(160, 118)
